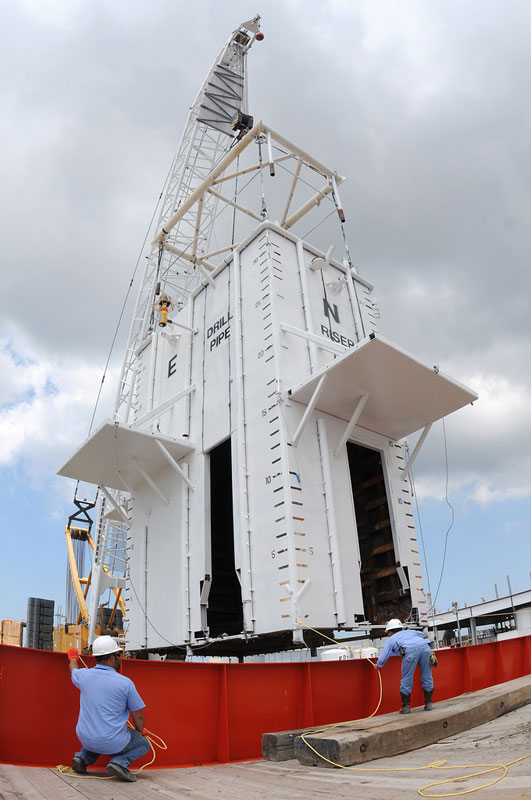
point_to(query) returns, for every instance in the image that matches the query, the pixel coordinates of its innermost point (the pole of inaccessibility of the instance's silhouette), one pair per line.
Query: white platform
(404, 394)
(108, 457)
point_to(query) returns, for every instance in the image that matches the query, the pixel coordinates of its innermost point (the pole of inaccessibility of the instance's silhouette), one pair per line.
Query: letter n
(328, 309)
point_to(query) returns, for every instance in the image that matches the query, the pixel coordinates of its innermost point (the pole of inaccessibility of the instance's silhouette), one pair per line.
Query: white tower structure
(256, 465)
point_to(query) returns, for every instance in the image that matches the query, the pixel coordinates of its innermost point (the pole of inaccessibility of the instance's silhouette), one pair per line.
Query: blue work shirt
(406, 638)
(106, 700)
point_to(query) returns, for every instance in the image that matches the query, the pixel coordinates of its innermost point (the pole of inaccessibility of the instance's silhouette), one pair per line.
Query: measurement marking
(301, 565)
(283, 567)
(280, 535)
(274, 418)
(270, 358)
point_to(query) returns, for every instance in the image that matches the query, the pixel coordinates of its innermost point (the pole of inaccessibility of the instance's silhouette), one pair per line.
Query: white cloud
(488, 445)
(46, 410)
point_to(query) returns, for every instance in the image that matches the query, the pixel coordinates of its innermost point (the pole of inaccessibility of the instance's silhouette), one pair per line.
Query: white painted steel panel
(216, 356)
(140, 402)
(155, 597)
(170, 378)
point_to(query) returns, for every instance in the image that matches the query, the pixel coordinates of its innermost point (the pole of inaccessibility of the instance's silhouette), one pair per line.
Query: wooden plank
(390, 734)
(51, 785)
(279, 746)
(16, 778)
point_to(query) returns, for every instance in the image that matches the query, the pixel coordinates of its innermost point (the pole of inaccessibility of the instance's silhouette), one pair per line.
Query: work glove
(73, 653)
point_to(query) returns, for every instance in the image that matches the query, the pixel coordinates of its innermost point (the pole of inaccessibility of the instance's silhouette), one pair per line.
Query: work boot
(79, 766)
(122, 773)
(427, 700)
(406, 700)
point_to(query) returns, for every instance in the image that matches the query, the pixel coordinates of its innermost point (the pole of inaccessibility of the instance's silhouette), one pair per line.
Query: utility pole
(456, 612)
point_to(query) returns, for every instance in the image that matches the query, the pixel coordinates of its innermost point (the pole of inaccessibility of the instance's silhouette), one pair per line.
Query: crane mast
(207, 137)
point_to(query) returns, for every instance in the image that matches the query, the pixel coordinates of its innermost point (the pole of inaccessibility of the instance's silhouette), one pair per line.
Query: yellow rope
(433, 765)
(154, 741)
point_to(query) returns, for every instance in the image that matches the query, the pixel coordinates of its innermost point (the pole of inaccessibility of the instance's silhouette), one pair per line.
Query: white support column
(149, 480)
(160, 409)
(415, 452)
(306, 301)
(354, 418)
(243, 511)
(309, 408)
(333, 537)
(174, 465)
(325, 344)
(186, 556)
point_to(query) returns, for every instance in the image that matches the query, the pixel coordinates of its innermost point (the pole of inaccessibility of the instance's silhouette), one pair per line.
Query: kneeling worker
(107, 698)
(414, 649)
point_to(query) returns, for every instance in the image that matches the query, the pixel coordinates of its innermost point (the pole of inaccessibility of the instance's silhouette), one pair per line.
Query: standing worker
(107, 698)
(414, 649)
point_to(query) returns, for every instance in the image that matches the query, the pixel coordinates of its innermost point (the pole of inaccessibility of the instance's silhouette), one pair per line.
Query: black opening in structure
(224, 612)
(384, 596)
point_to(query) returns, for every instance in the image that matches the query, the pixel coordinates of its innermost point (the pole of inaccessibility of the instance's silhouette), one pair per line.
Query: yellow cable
(154, 741)
(433, 765)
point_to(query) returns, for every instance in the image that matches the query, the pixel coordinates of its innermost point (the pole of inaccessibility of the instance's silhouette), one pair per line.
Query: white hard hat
(104, 646)
(393, 625)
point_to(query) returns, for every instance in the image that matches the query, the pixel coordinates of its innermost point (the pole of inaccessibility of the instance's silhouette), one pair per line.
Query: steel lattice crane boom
(209, 133)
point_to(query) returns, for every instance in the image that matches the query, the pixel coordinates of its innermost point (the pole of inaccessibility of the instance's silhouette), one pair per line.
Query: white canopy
(402, 394)
(117, 455)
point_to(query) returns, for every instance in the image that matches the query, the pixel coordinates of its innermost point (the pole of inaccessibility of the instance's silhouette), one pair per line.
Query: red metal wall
(209, 713)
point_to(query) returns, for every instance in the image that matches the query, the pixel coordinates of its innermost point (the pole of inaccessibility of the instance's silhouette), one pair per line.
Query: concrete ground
(500, 741)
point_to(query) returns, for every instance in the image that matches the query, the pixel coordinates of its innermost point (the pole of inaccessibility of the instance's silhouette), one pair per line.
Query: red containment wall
(212, 713)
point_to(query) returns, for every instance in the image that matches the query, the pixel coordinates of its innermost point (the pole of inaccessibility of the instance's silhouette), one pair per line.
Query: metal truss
(207, 137)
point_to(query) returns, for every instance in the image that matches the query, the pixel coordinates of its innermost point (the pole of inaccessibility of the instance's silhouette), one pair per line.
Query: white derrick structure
(254, 478)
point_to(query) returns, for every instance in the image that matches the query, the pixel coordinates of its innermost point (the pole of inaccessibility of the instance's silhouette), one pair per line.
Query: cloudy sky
(422, 105)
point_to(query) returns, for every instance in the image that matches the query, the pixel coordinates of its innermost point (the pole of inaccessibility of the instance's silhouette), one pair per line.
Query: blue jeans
(137, 747)
(421, 656)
